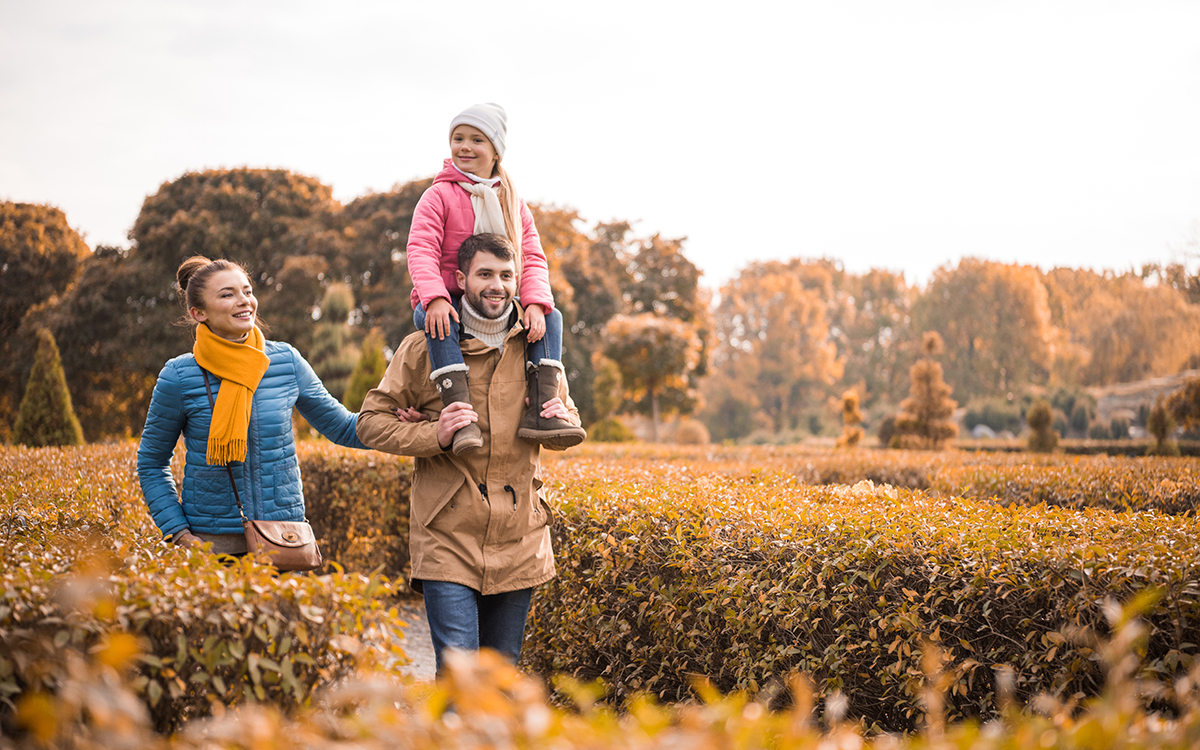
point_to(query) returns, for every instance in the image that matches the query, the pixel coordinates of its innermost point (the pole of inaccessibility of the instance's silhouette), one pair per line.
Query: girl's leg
(445, 352)
(550, 345)
(449, 374)
(543, 372)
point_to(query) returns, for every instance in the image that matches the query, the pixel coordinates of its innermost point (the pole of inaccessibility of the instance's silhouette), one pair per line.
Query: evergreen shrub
(45, 416)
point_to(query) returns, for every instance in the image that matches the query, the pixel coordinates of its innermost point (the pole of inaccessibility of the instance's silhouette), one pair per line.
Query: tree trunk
(654, 416)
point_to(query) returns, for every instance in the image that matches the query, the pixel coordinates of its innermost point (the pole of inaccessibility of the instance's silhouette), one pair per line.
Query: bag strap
(212, 405)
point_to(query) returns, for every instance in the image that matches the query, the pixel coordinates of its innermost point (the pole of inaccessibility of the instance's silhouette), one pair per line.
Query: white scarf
(489, 216)
(490, 331)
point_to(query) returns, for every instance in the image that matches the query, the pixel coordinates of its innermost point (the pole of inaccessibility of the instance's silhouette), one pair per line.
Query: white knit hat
(490, 119)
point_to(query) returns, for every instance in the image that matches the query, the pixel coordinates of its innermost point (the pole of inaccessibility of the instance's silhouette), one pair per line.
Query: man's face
(489, 284)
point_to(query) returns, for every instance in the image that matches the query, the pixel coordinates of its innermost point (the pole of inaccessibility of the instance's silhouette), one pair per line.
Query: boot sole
(564, 438)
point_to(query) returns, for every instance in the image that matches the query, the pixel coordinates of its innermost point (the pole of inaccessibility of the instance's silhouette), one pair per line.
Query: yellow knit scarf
(240, 366)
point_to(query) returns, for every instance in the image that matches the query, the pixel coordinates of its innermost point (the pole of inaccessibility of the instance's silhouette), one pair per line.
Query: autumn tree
(852, 431)
(924, 418)
(40, 255)
(773, 351)
(1042, 438)
(876, 325)
(368, 372)
(654, 354)
(995, 319)
(1183, 405)
(46, 416)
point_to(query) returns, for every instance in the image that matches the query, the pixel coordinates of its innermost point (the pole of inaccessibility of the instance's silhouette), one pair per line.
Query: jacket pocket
(212, 494)
(288, 489)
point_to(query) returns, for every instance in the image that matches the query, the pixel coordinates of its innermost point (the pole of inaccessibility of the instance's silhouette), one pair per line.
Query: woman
(255, 383)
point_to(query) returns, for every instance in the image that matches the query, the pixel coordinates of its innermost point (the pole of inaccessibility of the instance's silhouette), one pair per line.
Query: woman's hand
(186, 538)
(437, 318)
(454, 417)
(409, 414)
(535, 323)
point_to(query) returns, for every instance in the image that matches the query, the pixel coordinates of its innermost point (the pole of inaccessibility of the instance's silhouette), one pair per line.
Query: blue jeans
(460, 617)
(448, 351)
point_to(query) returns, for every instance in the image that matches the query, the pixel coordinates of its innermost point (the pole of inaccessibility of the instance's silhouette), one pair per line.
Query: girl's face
(471, 151)
(230, 307)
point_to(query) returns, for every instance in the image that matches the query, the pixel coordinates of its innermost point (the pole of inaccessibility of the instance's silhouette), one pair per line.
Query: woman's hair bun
(187, 269)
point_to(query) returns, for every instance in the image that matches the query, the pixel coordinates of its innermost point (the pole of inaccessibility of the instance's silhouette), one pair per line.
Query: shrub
(691, 432)
(1159, 423)
(887, 428)
(610, 430)
(747, 578)
(1119, 428)
(368, 371)
(998, 414)
(209, 632)
(1099, 432)
(852, 432)
(498, 706)
(46, 416)
(924, 418)
(1043, 439)
(358, 504)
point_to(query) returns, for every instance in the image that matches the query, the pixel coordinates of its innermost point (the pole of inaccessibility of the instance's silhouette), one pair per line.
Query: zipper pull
(508, 488)
(483, 491)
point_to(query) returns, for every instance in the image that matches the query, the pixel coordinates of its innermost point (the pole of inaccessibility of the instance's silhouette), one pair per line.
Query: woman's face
(471, 151)
(230, 307)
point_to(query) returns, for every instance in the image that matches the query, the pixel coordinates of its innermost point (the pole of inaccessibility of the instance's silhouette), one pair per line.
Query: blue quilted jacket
(269, 479)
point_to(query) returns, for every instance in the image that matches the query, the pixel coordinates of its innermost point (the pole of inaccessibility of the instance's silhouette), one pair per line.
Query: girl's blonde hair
(510, 205)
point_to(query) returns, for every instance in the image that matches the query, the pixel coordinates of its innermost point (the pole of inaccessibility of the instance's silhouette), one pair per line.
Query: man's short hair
(494, 244)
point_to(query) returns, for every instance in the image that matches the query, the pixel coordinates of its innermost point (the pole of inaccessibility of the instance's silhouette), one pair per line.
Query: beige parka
(478, 519)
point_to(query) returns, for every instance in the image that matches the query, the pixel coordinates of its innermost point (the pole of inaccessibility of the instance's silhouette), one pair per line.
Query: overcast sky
(901, 135)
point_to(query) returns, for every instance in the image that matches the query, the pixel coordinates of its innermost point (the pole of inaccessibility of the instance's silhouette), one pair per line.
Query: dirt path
(416, 641)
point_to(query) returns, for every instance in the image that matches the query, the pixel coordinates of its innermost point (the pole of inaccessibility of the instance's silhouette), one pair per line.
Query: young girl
(474, 195)
(247, 425)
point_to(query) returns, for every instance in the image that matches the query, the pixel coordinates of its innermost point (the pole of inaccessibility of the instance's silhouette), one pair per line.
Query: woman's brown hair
(192, 279)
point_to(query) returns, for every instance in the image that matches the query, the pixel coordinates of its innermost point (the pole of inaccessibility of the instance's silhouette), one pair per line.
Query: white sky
(901, 135)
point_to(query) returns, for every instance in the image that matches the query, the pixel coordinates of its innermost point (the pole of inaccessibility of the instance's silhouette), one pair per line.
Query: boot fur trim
(448, 368)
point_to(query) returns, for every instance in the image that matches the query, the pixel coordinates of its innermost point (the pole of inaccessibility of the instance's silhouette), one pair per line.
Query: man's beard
(477, 304)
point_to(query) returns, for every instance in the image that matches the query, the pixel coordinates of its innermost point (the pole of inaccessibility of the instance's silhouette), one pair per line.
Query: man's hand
(454, 417)
(555, 409)
(437, 318)
(186, 538)
(535, 323)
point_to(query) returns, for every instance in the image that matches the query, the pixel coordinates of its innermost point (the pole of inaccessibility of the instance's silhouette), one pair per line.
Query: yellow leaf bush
(83, 570)
(671, 567)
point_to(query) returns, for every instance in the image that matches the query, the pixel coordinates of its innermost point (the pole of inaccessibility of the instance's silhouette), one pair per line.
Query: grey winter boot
(542, 382)
(452, 386)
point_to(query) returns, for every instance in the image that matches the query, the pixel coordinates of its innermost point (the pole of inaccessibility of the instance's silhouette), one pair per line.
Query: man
(478, 532)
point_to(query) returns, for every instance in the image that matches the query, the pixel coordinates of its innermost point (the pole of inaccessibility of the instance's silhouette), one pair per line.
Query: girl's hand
(409, 414)
(453, 418)
(437, 318)
(535, 323)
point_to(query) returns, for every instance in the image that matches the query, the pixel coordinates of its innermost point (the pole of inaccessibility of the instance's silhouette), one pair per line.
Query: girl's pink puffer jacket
(442, 220)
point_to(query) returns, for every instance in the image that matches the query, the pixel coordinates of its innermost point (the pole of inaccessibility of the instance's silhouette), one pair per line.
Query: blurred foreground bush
(497, 707)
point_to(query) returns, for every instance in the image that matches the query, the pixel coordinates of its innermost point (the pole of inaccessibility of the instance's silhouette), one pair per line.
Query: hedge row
(1167, 485)
(695, 568)
(207, 632)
